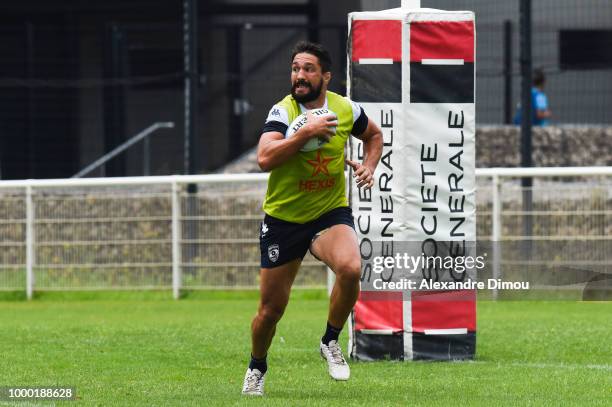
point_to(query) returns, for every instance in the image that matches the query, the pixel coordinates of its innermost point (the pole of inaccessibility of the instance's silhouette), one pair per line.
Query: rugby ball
(316, 142)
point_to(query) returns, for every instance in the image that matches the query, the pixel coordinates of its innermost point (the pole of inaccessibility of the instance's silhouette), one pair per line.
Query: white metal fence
(189, 232)
(568, 241)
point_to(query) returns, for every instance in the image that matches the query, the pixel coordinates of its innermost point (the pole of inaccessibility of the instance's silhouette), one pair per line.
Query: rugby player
(306, 206)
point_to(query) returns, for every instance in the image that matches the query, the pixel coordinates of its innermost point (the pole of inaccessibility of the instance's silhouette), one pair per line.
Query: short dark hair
(315, 49)
(538, 77)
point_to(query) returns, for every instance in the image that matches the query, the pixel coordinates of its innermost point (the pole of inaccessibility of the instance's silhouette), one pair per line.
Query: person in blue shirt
(539, 102)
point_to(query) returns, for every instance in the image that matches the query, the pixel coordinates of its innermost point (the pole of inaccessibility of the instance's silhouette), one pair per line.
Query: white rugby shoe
(253, 383)
(337, 366)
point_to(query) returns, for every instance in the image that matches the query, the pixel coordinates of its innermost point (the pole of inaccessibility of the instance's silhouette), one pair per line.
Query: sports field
(146, 349)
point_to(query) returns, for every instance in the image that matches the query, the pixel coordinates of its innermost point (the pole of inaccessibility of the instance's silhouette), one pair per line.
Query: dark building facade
(78, 78)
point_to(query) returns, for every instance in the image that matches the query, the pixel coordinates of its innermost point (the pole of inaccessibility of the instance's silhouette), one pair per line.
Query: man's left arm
(372, 146)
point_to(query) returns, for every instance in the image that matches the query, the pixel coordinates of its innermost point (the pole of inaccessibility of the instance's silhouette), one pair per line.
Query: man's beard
(307, 97)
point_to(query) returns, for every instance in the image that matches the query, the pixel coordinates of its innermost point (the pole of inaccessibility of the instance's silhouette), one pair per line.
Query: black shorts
(281, 241)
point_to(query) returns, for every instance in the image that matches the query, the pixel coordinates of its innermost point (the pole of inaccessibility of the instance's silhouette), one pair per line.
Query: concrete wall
(499, 146)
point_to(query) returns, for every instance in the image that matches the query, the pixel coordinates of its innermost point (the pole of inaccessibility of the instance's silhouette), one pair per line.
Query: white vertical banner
(413, 73)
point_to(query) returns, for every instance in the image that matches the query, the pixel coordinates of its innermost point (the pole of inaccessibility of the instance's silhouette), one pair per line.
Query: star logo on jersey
(320, 164)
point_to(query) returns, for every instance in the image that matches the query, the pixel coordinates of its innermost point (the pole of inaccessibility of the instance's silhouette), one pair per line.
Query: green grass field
(145, 349)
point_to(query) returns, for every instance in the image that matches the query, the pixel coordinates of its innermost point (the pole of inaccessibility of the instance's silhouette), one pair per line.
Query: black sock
(331, 334)
(259, 364)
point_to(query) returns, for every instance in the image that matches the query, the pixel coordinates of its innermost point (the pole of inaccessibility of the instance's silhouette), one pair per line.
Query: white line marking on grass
(546, 365)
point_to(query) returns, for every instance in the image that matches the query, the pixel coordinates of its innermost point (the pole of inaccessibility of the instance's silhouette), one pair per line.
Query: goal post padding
(413, 73)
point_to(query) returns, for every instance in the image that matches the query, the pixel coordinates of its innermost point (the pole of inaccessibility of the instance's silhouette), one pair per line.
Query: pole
(526, 116)
(496, 232)
(114, 97)
(411, 4)
(146, 157)
(508, 72)
(313, 21)
(236, 111)
(176, 241)
(190, 55)
(343, 40)
(190, 49)
(30, 122)
(30, 253)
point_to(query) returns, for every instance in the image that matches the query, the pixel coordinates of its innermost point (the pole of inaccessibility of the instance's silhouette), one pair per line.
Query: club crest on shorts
(273, 252)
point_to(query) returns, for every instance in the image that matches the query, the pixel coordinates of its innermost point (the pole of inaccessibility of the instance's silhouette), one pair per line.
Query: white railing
(515, 195)
(54, 220)
(160, 190)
